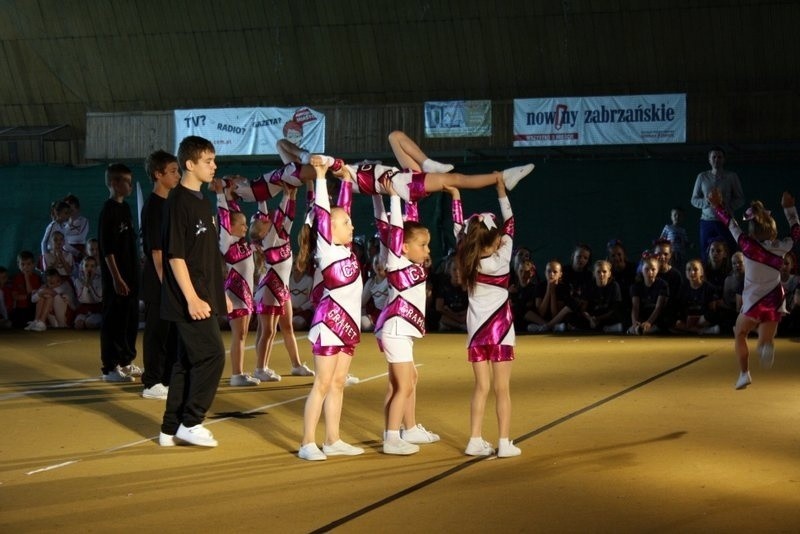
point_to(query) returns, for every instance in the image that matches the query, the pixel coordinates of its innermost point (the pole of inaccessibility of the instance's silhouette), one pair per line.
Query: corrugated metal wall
(371, 63)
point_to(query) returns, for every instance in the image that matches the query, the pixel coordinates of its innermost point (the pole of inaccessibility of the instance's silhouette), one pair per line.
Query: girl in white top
(763, 296)
(483, 258)
(57, 256)
(89, 291)
(335, 329)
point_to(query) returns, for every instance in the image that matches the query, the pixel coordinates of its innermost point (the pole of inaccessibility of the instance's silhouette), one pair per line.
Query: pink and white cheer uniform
(490, 324)
(238, 255)
(409, 185)
(272, 291)
(404, 315)
(268, 185)
(336, 326)
(763, 294)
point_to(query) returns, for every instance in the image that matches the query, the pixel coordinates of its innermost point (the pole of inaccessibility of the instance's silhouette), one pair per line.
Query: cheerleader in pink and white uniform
(335, 329)
(763, 302)
(483, 260)
(272, 292)
(238, 255)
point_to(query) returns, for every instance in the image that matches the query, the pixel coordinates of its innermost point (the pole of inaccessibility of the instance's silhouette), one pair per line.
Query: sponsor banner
(252, 131)
(458, 118)
(606, 120)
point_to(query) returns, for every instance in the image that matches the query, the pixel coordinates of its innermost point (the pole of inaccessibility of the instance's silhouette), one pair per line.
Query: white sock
(305, 157)
(392, 435)
(503, 443)
(430, 165)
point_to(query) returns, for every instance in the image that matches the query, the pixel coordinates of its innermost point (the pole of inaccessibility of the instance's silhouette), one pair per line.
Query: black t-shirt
(190, 233)
(152, 219)
(116, 235)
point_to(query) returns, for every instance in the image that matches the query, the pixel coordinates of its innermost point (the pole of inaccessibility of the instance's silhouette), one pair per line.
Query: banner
(606, 120)
(252, 131)
(458, 118)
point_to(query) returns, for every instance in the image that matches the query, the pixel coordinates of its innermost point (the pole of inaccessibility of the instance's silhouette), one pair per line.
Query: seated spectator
(732, 289)
(578, 275)
(696, 303)
(23, 285)
(55, 303)
(603, 302)
(374, 295)
(300, 284)
(623, 271)
(57, 256)
(6, 301)
(451, 301)
(553, 302)
(717, 264)
(89, 292)
(522, 293)
(662, 250)
(789, 325)
(649, 296)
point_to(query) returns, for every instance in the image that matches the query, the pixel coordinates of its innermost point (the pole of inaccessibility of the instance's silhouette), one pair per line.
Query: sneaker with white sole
(615, 328)
(196, 435)
(766, 353)
(302, 370)
(744, 380)
(132, 370)
(434, 166)
(340, 448)
(166, 440)
(36, 326)
(244, 380)
(311, 452)
(400, 447)
(351, 380)
(478, 447)
(512, 176)
(418, 434)
(157, 391)
(267, 375)
(117, 376)
(508, 450)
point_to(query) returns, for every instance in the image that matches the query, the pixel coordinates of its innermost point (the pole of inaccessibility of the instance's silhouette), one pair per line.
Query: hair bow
(486, 218)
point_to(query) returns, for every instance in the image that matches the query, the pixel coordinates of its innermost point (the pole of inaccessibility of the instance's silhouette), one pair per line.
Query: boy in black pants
(119, 266)
(159, 344)
(192, 297)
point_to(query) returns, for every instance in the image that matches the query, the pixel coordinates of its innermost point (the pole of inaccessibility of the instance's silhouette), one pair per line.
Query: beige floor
(618, 434)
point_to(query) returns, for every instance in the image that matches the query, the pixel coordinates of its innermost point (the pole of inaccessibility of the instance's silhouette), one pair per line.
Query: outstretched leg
(410, 156)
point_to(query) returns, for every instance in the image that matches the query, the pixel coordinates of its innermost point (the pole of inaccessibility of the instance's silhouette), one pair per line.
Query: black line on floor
(472, 461)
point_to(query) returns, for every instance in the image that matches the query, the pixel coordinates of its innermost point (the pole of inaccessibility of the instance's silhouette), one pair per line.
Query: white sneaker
(37, 326)
(158, 391)
(537, 328)
(766, 353)
(132, 370)
(302, 370)
(351, 380)
(507, 451)
(512, 176)
(560, 327)
(244, 380)
(615, 328)
(117, 376)
(267, 375)
(165, 440)
(479, 447)
(430, 165)
(400, 447)
(311, 452)
(340, 448)
(710, 330)
(744, 380)
(418, 434)
(196, 435)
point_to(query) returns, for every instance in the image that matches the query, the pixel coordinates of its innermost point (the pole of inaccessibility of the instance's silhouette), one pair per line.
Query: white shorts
(398, 349)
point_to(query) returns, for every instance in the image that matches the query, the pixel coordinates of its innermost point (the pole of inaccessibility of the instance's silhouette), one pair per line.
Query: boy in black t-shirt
(192, 298)
(119, 266)
(159, 344)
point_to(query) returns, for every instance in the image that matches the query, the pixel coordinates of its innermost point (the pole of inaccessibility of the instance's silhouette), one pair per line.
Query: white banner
(600, 120)
(252, 131)
(458, 118)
